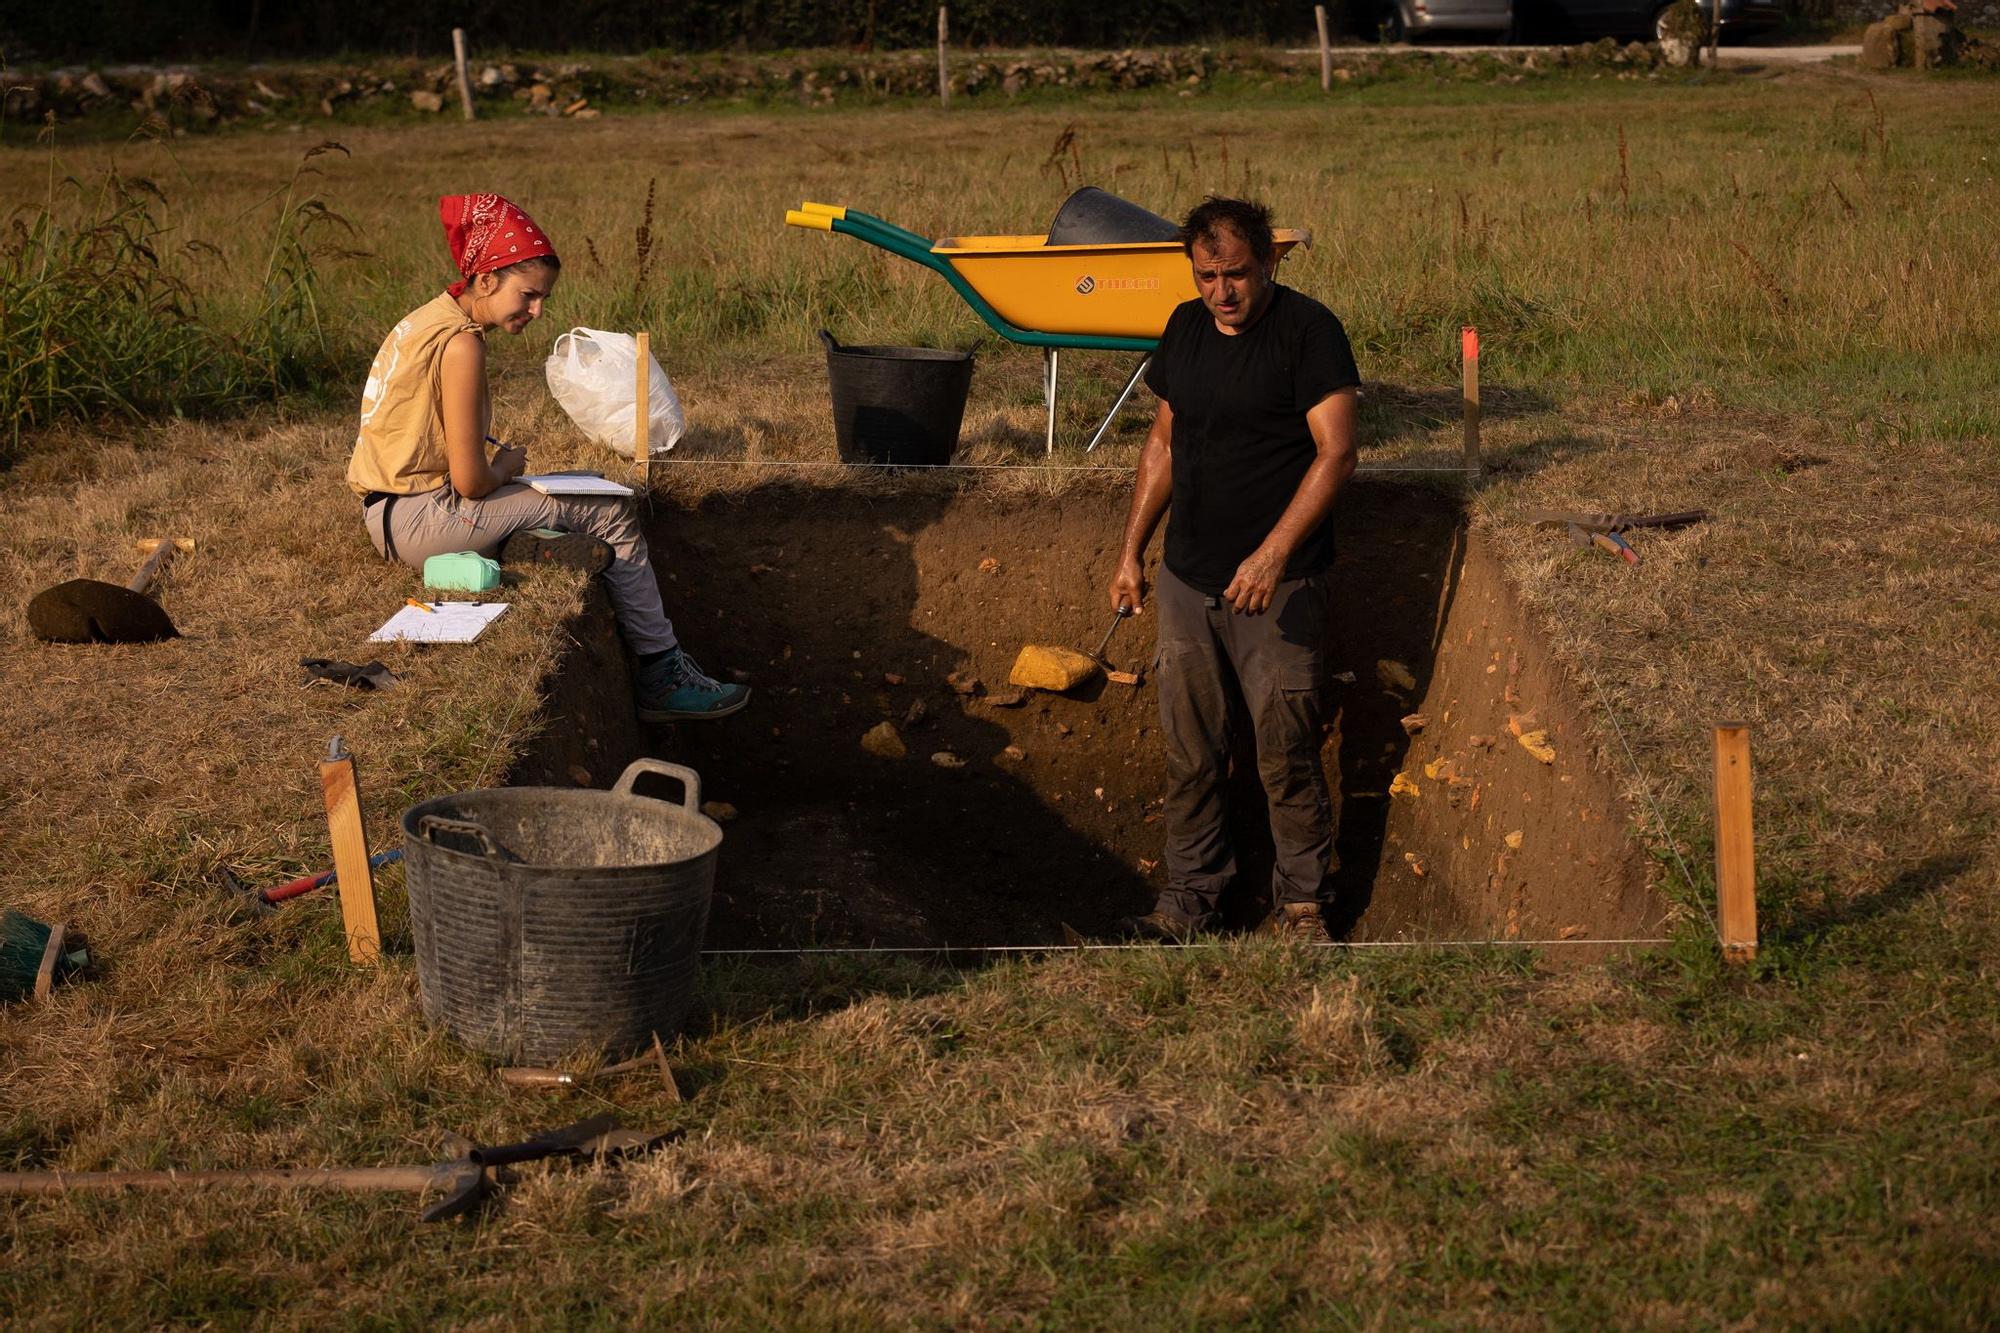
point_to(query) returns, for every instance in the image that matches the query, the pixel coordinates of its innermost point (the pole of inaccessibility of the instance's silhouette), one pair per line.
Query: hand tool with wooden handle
(92, 611)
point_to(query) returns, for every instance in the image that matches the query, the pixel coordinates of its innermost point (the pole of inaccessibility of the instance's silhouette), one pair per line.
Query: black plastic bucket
(900, 405)
(557, 921)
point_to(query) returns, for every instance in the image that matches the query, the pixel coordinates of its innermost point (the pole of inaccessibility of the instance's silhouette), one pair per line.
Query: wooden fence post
(1468, 348)
(1325, 51)
(464, 76)
(642, 415)
(1735, 845)
(342, 792)
(944, 74)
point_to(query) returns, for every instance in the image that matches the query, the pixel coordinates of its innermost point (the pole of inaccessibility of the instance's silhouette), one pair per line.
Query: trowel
(92, 611)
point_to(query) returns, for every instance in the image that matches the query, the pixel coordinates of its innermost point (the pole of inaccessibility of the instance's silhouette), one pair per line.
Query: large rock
(1882, 43)
(1056, 669)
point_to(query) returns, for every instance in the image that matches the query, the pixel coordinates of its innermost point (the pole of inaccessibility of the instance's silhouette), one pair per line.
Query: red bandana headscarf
(486, 232)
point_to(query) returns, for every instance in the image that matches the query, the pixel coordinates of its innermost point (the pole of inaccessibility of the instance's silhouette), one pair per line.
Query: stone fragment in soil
(1014, 752)
(964, 682)
(1402, 786)
(1007, 699)
(883, 742)
(916, 714)
(1394, 675)
(1514, 840)
(1537, 744)
(1416, 864)
(1053, 669)
(1414, 723)
(946, 759)
(720, 811)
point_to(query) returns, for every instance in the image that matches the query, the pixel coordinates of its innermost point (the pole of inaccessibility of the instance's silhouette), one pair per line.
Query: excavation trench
(849, 609)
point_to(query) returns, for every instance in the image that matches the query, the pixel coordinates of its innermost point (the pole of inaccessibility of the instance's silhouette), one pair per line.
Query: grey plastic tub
(553, 921)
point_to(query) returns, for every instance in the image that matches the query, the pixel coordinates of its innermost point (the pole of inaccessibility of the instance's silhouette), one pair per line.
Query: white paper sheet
(450, 622)
(575, 483)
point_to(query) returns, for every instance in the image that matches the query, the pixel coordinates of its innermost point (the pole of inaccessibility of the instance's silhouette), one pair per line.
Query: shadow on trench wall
(851, 610)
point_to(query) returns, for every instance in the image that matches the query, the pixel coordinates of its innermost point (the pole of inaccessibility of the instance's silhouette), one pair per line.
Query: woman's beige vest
(400, 449)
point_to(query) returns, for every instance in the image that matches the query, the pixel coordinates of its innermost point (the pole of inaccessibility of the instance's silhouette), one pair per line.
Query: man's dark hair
(1216, 214)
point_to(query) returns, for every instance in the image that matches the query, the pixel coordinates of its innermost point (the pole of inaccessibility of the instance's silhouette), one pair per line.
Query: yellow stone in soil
(1056, 669)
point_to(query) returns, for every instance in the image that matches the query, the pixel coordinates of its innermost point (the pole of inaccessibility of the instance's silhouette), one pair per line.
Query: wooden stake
(340, 787)
(1735, 846)
(642, 415)
(944, 75)
(1715, 33)
(1325, 51)
(464, 78)
(1468, 346)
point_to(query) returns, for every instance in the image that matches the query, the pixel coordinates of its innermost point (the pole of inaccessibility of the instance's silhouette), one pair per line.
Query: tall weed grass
(110, 303)
(1816, 245)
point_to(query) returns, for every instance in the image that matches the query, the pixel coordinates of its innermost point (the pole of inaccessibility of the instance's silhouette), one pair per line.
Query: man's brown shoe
(1298, 922)
(1159, 927)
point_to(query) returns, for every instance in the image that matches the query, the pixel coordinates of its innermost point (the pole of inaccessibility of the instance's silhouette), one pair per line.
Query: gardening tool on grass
(465, 1179)
(532, 1076)
(1603, 530)
(34, 956)
(92, 611)
(307, 883)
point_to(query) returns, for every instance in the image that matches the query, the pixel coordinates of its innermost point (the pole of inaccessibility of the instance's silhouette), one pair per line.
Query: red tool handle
(305, 884)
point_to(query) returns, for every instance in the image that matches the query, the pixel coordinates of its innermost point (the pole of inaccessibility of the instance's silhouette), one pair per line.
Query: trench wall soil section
(589, 730)
(1486, 838)
(851, 609)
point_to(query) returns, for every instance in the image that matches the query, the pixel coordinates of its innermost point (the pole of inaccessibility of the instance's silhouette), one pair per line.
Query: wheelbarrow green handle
(907, 244)
(856, 215)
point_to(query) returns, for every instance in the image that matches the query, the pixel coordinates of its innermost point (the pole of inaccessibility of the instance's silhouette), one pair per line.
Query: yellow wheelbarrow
(1100, 296)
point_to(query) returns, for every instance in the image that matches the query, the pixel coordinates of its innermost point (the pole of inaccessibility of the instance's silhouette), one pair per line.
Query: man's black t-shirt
(1240, 440)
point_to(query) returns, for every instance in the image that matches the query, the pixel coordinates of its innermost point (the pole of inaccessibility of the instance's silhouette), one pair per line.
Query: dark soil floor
(1002, 824)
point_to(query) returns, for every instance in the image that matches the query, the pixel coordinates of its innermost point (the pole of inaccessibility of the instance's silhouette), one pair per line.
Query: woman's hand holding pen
(509, 460)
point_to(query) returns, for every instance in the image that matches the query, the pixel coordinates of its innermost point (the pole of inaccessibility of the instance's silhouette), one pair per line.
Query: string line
(1114, 947)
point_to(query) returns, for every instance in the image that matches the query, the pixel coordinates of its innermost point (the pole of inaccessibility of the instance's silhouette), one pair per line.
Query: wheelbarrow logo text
(1087, 284)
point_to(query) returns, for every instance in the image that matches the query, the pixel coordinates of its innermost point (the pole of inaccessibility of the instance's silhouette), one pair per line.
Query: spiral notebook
(575, 483)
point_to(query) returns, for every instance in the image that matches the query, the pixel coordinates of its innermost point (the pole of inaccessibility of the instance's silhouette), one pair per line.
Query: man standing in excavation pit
(1253, 440)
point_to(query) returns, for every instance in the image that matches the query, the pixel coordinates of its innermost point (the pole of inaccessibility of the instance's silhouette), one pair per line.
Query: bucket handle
(832, 343)
(689, 779)
(432, 825)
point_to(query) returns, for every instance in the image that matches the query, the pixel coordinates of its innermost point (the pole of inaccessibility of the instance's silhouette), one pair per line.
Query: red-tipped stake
(1468, 346)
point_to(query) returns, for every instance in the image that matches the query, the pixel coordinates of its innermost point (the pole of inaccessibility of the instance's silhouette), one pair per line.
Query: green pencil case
(462, 571)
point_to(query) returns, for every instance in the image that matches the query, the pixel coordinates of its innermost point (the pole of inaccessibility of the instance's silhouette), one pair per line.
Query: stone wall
(1971, 13)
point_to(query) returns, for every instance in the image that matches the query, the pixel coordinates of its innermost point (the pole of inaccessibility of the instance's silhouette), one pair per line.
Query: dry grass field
(1774, 298)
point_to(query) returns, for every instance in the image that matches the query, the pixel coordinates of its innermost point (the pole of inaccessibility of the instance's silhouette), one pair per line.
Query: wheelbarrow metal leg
(1049, 363)
(1112, 415)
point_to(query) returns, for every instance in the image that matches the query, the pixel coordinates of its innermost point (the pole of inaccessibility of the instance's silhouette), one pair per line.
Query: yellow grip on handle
(796, 218)
(825, 210)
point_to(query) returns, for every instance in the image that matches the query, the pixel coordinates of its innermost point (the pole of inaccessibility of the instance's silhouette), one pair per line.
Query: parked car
(1563, 20)
(1403, 20)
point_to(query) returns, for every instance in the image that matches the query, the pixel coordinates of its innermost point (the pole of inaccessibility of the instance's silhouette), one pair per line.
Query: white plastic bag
(594, 375)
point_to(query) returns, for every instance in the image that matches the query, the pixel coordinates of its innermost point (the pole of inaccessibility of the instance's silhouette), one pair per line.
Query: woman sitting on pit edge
(428, 486)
